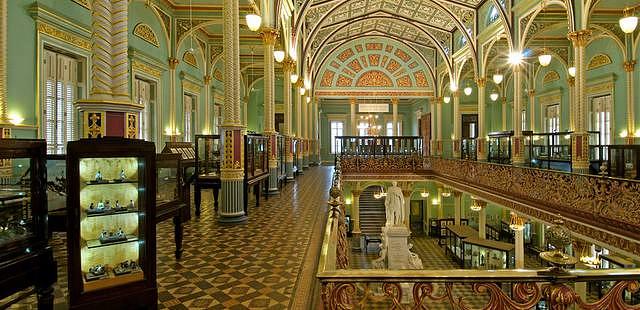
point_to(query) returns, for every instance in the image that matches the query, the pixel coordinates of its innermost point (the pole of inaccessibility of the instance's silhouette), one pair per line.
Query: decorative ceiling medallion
(551, 76)
(598, 61)
(374, 78)
(190, 59)
(84, 3)
(144, 32)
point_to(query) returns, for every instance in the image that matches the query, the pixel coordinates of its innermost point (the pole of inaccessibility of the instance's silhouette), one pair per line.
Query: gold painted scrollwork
(338, 296)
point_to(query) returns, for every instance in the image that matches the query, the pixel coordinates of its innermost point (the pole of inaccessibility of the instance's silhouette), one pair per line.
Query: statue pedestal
(396, 239)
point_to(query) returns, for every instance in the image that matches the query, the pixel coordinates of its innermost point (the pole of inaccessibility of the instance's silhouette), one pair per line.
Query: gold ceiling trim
(382, 93)
(192, 87)
(64, 36)
(84, 3)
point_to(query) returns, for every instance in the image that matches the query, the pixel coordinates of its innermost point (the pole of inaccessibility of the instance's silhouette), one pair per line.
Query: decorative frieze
(64, 36)
(144, 32)
(598, 61)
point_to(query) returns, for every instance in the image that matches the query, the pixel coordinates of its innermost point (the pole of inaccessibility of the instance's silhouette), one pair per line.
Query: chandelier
(380, 194)
(369, 124)
(446, 192)
(476, 205)
(517, 222)
(424, 193)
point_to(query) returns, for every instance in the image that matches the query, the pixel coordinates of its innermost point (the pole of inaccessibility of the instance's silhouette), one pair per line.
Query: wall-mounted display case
(111, 239)
(499, 147)
(439, 228)
(256, 166)
(487, 254)
(187, 152)
(26, 259)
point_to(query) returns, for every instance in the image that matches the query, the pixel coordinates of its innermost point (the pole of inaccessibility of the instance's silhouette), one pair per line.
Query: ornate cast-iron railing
(608, 203)
(344, 288)
(375, 154)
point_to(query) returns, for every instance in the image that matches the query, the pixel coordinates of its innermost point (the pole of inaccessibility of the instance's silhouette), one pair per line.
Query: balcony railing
(374, 154)
(344, 288)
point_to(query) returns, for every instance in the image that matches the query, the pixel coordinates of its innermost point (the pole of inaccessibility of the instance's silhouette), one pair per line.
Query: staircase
(372, 214)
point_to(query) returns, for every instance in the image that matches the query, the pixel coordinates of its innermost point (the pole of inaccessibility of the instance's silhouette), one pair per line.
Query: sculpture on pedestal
(394, 206)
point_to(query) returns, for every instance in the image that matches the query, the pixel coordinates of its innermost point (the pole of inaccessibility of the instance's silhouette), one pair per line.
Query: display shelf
(170, 196)
(113, 159)
(487, 254)
(207, 169)
(95, 243)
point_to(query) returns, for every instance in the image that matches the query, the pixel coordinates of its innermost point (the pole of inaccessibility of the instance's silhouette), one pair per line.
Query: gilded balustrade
(344, 288)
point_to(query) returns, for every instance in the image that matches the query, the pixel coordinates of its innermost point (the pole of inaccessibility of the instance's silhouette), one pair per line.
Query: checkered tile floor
(266, 263)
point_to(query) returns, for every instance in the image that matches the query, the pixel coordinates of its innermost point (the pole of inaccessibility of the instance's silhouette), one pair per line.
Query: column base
(356, 241)
(288, 167)
(273, 181)
(232, 205)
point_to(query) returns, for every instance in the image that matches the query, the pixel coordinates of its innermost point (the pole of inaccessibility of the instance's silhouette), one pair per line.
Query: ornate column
(580, 138)
(354, 125)
(482, 130)
(394, 121)
(4, 15)
(407, 206)
(504, 113)
(287, 66)
(426, 226)
(269, 36)
(305, 133)
(439, 128)
(457, 204)
(299, 133)
(631, 126)
(532, 109)
(109, 110)
(482, 219)
(457, 126)
(519, 236)
(572, 94)
(316, 129)
(518, 141)
(173, 63)
(232, 132)
(355, 218)
(441, 205)
(207, 105)
(434, 141)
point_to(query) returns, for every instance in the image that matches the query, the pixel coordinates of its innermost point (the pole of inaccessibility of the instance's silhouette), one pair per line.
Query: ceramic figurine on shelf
(97, 270)
(130, 206)
(98, 177)
(91, 206)
(123, 177)
(100, 205)
(107, 205)
(119, 207)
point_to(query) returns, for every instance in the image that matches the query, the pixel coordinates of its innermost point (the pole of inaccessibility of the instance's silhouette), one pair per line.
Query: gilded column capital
(481, 81)
(356, 193)
(457, 194)
(571, 81)
(629, 65)
(437, 99)
(456, 94)
(173, 62)
(579, 38)
(407, 192)
(504, 100)
(394, 100)
(532, 92)
(206, 79)
(288, 65)
(269, 35)
(299, 83)
(352, 100)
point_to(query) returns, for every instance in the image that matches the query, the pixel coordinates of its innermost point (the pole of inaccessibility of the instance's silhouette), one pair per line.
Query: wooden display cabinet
(111, 240)
(256, 166)
(170, 195)
(26, 259)
(207, 172)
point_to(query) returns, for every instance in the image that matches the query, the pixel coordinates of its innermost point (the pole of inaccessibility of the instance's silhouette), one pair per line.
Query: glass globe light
(446, 99)
(497, 78)
(302, 91)
(253, 21)
(278, 55)
(628, 22)
(544, 59)
(572, 71)
(494, 96)
(294, 78)
(453, 87)
(468, 90)
(515, 58)
(308, 99)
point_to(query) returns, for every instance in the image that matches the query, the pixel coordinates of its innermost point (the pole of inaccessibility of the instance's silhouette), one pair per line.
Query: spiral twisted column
(101, 50)
(482, 129)
(287, 67)
(119, 49)
(269, 36)
(580, 137)
(232, 132)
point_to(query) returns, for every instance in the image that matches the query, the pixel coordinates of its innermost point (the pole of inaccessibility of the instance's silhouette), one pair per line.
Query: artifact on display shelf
(111, 240)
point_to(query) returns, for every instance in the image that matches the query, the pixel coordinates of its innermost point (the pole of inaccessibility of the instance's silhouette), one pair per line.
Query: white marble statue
(394, 205)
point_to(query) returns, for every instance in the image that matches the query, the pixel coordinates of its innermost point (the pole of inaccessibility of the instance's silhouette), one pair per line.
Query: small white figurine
(130, 205)
(123, 177)
(98, 176)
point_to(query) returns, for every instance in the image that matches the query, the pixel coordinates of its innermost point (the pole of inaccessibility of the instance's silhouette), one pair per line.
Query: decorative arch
(144, 32)
(598, 61)
(374, 78)
(606, 33)
(550, 76)
(530, 17)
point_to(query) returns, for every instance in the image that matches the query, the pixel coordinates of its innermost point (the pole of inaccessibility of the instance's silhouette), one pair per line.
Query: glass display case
(549, 150)
(207, 168)
(170, 196)
(256, 166)
(469, 149)
(26, 259)
(500, 147)
(187, 152)
(624, 161)
(111, 238)
(57, 192)
(610, 261)
(439, 228)
(487, 254)
(282, 173)
(455, 236)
